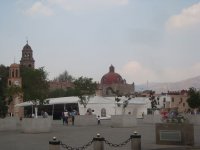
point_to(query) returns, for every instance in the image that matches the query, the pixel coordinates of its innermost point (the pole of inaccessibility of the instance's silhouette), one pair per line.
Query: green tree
(65, 76)
(193, 98)
(4, 71)
(35, 85)
(57, 93)
(84, 88)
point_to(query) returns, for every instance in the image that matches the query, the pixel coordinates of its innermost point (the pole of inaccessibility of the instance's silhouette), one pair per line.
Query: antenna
(14, 60)
(26, 39)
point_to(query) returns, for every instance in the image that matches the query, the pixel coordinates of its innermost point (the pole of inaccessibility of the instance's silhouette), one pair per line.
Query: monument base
(174, 134)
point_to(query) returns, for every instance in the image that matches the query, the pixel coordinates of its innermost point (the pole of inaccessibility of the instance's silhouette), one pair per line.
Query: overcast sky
(154, 40)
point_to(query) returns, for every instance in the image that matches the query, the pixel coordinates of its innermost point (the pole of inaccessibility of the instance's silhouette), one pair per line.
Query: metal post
(135, 141)
(54, 145)
(98, 142)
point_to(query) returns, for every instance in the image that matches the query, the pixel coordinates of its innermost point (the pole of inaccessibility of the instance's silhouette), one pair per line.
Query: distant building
(179, 100)
(113, 84)
(53, 85)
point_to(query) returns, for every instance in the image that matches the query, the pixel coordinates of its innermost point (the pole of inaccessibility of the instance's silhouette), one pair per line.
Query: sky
(145, 40)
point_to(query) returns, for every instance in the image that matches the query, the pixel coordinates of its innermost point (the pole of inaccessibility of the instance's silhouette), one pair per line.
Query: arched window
(13, 74)
(103, 112)
(16, 72)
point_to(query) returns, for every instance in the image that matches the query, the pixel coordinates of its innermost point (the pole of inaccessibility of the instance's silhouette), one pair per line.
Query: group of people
(68, 115)
(44, 114)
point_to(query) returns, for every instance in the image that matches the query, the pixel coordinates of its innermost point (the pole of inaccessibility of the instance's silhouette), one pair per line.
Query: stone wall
(85, 120)
(152, 119)
(9, 123)
(123, 121)
(36, 125)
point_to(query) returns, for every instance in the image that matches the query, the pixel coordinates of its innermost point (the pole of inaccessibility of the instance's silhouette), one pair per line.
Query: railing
(98, 143)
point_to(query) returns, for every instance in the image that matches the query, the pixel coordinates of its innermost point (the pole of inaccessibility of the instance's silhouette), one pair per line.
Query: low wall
(85, 120)
(196, 135)
(148, 133)
(193, 119)
(152, 119)
(9, 123)
(36, 125)
(123, 121)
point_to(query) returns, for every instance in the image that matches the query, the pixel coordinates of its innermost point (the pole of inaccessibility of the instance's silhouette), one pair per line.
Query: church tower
(15, 81)
(27, 57)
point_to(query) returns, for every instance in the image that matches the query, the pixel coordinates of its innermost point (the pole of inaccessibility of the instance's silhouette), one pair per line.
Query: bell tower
(15, 82)
(27, 57)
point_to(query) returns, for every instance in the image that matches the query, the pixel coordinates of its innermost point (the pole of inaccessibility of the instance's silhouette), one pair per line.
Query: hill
(170, 86)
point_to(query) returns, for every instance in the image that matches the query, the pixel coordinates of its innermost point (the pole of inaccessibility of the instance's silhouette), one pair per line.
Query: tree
(65, 76)
(193, 98)
(4, 71)
(85, 88)
(152, 98)
(35, 85)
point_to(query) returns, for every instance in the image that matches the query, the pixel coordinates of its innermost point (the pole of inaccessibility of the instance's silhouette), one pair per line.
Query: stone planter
(9, 123)
(174, 134)
(85, 120)
(123, 121)
(36, 125)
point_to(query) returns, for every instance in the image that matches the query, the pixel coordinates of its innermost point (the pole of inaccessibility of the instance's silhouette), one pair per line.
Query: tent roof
(93, 100)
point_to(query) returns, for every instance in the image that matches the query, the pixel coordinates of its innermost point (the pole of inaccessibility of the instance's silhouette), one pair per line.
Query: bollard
(98, 142)
(54, 145)
(135, 141)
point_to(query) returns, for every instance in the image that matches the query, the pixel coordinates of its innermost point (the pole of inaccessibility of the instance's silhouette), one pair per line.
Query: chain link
(90, 143)
(117, 145)
(76, 148)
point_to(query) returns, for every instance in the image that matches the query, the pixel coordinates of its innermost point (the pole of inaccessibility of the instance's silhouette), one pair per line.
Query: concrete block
(152, 119)
(36, 125)
(123, 121)
(9, 123)
(85, 120)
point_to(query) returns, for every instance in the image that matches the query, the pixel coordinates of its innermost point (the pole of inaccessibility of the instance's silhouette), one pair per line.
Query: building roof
(27, 48)
(111, 77)
(14, 65)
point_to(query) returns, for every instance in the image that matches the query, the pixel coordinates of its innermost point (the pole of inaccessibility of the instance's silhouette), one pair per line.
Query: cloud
(39, 8)
(79, 5)
(187, 18)
(136, 72)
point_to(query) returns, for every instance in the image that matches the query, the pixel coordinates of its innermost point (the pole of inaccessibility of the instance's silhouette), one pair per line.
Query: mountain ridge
(170, 86)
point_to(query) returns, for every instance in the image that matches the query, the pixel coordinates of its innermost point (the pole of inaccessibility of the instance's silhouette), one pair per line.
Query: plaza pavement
(74, 136)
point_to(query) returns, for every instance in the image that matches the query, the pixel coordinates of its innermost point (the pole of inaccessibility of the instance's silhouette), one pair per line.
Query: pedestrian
(46, 115)
(98, 120)
(73, 116)
(63, 118)
(66, 116)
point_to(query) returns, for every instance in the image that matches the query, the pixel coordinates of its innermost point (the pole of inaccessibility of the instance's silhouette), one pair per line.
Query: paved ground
(73, 136)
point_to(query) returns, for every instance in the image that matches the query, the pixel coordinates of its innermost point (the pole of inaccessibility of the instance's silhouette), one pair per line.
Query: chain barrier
(76, 148)
(117, 145)
(90, 143)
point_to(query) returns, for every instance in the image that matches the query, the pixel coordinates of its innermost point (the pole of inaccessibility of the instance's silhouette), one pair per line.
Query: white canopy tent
(52, 101)
(96, 103)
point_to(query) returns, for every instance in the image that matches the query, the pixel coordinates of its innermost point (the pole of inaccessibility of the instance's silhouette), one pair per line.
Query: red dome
(111, 77)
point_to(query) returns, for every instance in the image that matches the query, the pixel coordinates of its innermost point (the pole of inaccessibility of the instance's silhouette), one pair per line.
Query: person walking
(66, 115)
(73, 116)
(98, 120)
